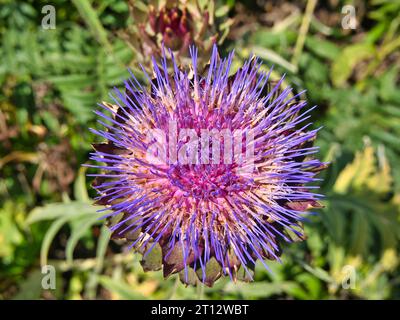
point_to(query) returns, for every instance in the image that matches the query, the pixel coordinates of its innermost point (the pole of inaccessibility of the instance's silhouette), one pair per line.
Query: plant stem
(305, 24)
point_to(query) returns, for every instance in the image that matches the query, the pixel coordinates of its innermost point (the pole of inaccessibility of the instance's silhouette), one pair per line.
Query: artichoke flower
(205, 172)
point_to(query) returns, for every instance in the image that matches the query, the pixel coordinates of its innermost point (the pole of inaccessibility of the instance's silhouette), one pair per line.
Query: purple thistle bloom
(207, 208)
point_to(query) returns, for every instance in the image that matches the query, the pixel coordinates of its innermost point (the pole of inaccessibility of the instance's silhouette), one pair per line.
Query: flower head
(173, 24)
(176, 25)
(205, 169)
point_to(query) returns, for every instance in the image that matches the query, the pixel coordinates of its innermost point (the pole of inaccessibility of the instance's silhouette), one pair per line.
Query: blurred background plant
(51, 81)
(176, 25)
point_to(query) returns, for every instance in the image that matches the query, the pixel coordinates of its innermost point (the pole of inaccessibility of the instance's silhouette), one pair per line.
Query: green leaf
(79, 229)
(80, 190)
(272, 56)
(31, 287)
(124, 291)
(256, 290)
(57, 210)
(72, 81)
(318, 272)
(102, 245)
(322, 48)
(49, 237)
(347, 60)
(360, 235)
(90, 17)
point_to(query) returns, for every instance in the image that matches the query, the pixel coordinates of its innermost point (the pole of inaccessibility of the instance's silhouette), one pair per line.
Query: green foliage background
(51, 81)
